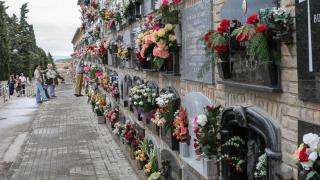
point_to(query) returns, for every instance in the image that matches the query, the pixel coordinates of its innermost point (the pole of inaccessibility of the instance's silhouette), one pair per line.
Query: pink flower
(150, 18)
(165, 2)
(176, 1)
(160, 53)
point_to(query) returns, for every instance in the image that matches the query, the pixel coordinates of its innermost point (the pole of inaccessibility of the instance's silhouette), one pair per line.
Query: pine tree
(4, 45)
(51, 60)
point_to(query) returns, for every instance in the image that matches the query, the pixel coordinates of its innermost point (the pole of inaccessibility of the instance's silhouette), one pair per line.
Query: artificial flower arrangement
(112, 115)
(261, 166)
(168, 10)
(132, 136)
(259, 31)
(165, 40)
(105, 83)
(157, 119)
(147, 42)
(118, 129)
(108, 17)
(141, 154)
(115, 91)
(142, 96)
(236, 160)
(152, 165)
(166, 109)
(206, 127)
(180, 125)
(308, 156)
(216, 45)
(123, 52)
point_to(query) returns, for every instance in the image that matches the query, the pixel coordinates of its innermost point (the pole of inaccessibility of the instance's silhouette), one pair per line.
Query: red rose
(241, 37)
(225, 24)
(261, 28)
(210, 107)
(253, 19)
(303, 156)
(220, 48)
(207, 36)
(220, 30)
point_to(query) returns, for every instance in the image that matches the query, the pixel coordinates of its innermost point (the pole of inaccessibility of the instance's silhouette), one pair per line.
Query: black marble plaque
(196, 20)
(174, 169)
(308, 53)
(305, 128)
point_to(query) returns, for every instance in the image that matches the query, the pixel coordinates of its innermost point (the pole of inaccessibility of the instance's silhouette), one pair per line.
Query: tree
(51, 60)
(4, 45)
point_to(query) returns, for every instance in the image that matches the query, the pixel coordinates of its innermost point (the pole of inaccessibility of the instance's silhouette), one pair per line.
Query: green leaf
(310, 175)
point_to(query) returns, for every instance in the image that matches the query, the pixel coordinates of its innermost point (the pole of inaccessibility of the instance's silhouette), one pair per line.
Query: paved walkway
(67, 143)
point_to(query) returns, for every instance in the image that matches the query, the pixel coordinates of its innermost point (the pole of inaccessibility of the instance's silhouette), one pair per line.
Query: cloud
(54, 21)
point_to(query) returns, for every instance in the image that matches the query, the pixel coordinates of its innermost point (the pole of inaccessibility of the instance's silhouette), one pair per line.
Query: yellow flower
(161, 32)
(172, 38)
(141, 35)
(168, 27)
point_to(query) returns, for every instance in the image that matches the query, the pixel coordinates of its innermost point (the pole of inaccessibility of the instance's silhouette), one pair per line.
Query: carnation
(312, 140)
(202, 120)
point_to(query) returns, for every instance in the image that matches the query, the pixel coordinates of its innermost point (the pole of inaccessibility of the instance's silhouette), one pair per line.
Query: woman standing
(19, 86)
(11, 84)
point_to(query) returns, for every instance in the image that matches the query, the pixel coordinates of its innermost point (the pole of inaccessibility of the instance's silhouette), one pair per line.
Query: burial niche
(168, 113)
(170, 167)
(126, 87)
(238, 66)
(251, 145)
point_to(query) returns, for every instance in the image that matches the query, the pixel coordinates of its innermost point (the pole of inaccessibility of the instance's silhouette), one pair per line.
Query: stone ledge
(250, 86)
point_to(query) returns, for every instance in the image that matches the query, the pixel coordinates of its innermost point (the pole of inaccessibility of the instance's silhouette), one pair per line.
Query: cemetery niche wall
(308, 54)
(249, 139)
(249, 62)
(126, 87)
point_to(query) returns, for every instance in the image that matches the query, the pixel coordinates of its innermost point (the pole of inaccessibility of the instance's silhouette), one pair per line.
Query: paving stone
(67, 143)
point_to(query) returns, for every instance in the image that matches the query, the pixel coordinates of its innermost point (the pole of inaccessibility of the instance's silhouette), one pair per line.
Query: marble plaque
(196, 20)
(175, 169)
(308, 45)
(148, 6)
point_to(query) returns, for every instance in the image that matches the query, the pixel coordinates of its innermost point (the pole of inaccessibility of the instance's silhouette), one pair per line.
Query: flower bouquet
(152, 165)
(118, 128)
(112, 116)
(167, 108)
(141, 155)
(216, 46)
(237, 160)
(308, 157)
(165, 43)
(168, 10)
(206, 127)
(180, 124)
(260, 31)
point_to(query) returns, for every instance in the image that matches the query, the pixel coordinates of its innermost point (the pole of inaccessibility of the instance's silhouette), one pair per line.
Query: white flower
(312, 140)
(145, 94)
(306, 165)
(313, 156)
(202, 120)
(154, 95)
(135, 103)
(158, 4)
(140, 103)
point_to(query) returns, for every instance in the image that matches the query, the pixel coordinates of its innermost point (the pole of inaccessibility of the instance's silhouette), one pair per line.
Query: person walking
(23, 83)
(11, 83)
(18, 85)
(51, 76)
(40, 94)
(79, 78)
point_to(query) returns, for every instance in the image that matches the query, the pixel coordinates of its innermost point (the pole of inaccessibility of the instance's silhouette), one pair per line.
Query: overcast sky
(54, 21)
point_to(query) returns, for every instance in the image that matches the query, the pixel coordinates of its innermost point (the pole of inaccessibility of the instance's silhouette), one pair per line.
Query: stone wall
(284, 107)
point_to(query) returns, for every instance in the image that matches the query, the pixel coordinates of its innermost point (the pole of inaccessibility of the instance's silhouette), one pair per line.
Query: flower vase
(177, 32)
(101, 120)
(224, 69)
(184, 149)
(210, 168)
